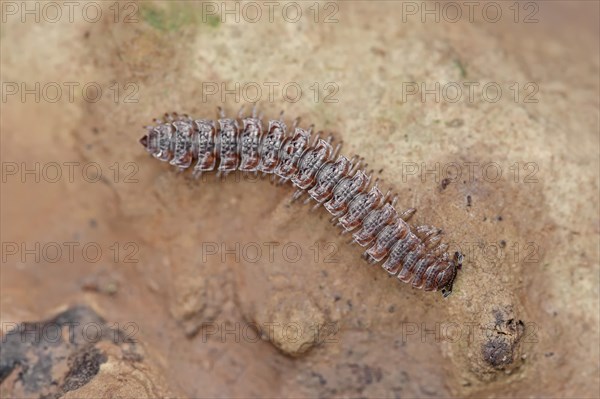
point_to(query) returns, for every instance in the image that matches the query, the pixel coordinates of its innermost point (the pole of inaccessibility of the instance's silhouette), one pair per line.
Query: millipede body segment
(345, 189)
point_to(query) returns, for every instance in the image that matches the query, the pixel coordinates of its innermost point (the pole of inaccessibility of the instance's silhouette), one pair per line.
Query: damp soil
(226, 288)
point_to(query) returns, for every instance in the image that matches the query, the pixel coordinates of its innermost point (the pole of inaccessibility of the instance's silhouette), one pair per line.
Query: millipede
(313, 165)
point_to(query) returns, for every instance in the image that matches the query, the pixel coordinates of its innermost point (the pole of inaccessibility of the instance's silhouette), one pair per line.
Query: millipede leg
(425, 230)
(407, 214)
(316, 139)
(440, 249)
(241, 112)
(386, 196)
(315, 207)
(344, 231)
(429, 234)
(297, 195)
(295, 123)
(356, 167)
(432, 240)
(336, 150)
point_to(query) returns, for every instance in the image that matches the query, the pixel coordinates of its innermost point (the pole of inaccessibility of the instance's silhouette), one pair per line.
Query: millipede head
(149, 139)
(144, 141)
(455, 265)
(446, 291)
(458, 259)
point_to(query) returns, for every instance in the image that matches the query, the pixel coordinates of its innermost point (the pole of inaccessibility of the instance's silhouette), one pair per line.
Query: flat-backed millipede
(345, 189)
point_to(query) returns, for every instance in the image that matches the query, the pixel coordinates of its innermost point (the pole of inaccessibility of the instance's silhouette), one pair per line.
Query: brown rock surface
(73, 355)
(236, 292)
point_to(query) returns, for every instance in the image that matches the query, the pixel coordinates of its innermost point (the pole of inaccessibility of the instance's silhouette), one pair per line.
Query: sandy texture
(235, 292)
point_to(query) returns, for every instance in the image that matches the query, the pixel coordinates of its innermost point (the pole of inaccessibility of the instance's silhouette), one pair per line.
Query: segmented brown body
(413, 254)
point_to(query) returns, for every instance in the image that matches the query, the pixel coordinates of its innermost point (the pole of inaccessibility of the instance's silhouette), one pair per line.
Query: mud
(207, 276)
